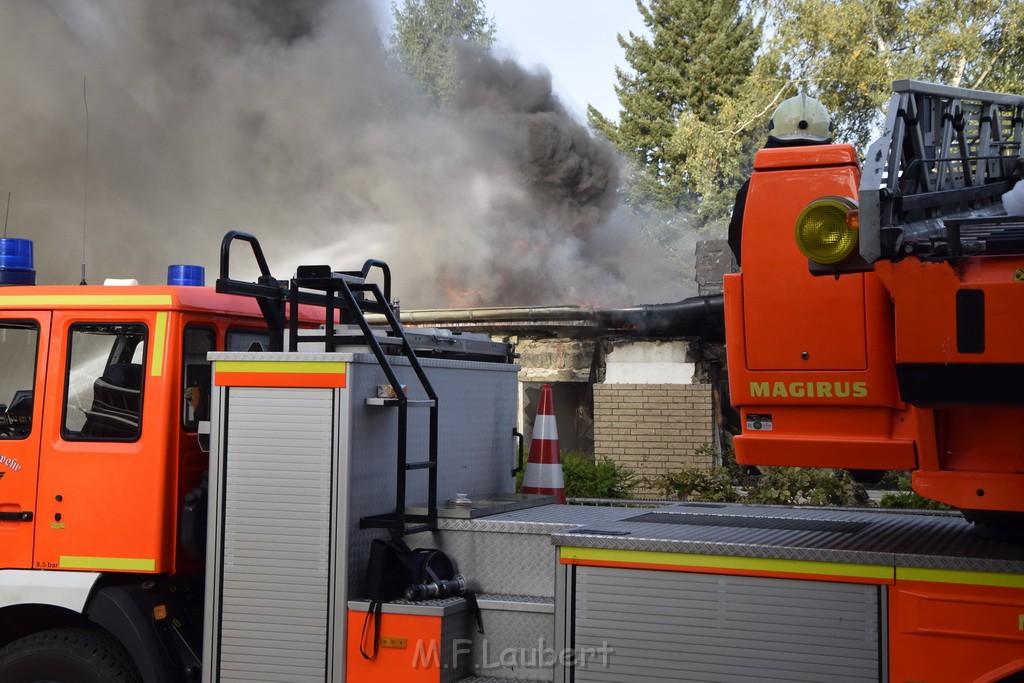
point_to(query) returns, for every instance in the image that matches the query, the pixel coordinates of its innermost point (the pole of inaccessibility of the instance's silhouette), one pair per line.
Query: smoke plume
(286, 120)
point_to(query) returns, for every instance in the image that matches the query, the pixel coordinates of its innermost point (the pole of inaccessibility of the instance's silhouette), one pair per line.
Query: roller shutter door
(647, 625)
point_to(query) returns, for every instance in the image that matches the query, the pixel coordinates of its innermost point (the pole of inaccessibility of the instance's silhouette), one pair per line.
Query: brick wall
(714, 260)
(653, 429)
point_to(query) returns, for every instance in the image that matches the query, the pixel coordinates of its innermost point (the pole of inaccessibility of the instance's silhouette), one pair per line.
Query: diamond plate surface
(455, 629)
(488, 679)
(900, 539)
(512, 552)
(519, 563)
(521, 603)
(751, 522)
(517, 645)
(439, 607)
(511, 526)
(541, 519)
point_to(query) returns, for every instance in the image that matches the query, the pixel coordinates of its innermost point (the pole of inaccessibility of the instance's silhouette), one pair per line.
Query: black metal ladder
(343, 295)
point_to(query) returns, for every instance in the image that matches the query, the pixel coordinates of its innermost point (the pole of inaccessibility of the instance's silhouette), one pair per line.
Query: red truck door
(105, 486)
(23, 347)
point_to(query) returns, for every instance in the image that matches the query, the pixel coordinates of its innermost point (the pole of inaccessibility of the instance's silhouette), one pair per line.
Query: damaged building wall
(567, 365)
(663, 405)
(643, 403)
(653, 413)
(713, 260)
(641, 397)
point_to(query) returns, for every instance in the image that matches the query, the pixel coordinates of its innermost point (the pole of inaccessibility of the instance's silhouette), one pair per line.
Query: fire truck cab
(103, 390)
(95, 474)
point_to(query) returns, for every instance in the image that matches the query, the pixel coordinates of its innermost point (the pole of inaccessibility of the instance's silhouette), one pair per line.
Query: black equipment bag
(388, 572)
(391, 569)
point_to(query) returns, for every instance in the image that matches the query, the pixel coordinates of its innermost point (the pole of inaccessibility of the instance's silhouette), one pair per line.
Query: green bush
(905, 498)
(803, 486)
(693, 484)
(586, 477)
(767, 485)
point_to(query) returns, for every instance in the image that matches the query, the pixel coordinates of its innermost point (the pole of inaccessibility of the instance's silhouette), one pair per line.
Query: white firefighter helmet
(801, 119)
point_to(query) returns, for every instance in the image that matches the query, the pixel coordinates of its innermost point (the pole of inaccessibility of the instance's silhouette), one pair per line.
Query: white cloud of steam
(285, 120)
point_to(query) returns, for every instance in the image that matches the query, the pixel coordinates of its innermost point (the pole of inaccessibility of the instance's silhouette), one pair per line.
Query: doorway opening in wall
(574, 413)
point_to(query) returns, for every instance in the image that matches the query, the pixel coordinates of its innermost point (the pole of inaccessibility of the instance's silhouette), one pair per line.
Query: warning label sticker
(759, 423)
(1018, 275)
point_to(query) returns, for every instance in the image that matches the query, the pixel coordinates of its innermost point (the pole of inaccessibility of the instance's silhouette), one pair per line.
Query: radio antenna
(8, 214)
(85, 194)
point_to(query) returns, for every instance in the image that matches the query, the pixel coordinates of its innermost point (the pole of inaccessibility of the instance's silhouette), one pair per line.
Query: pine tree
(697, 59)
(425, 39)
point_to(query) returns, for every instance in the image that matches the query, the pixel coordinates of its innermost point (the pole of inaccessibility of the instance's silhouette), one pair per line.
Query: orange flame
(457, 297)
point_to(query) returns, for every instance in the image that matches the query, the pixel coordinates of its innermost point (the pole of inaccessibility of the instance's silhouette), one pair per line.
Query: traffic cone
(544, 468)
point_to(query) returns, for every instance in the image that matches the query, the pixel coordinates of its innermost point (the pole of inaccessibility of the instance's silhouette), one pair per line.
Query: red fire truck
(881, 338)
(131, 553)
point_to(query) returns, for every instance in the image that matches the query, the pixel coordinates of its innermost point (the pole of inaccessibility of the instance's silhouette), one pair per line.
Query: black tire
(67, 655)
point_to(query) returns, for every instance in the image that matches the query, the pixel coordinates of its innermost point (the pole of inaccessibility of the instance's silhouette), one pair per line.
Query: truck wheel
(67, 656)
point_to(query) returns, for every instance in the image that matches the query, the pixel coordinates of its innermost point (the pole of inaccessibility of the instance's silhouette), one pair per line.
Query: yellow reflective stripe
(753, 564)
(289, 366)
(961, 577)
(112, 563)
(159, 342)
(50, 300)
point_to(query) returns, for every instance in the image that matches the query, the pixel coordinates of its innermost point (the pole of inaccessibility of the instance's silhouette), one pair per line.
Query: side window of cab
(19, 343)
(105, 381)
(195, 405)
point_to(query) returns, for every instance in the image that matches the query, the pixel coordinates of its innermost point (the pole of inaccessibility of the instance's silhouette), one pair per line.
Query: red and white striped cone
(544, 468)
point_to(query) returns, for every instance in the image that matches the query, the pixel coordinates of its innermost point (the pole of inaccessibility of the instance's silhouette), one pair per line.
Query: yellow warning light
(824, 233)
(160, 612)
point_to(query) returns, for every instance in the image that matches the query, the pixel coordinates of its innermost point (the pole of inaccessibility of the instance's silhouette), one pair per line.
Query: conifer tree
(425, 39)
(695, 62)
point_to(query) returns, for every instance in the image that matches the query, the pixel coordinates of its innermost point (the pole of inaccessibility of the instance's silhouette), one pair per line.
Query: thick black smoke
(568, 170)
(285, 119)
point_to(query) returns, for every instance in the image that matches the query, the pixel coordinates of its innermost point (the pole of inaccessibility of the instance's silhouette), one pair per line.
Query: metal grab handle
(385, 269)
(225, 249)
(518, 436)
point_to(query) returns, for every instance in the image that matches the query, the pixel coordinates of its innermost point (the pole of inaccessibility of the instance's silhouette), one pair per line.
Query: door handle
(24, 516)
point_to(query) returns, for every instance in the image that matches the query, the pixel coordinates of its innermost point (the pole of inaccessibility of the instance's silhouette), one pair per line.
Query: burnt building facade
(643, 386)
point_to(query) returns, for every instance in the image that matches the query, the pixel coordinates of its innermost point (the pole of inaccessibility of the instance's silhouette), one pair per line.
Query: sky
(575, 40)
